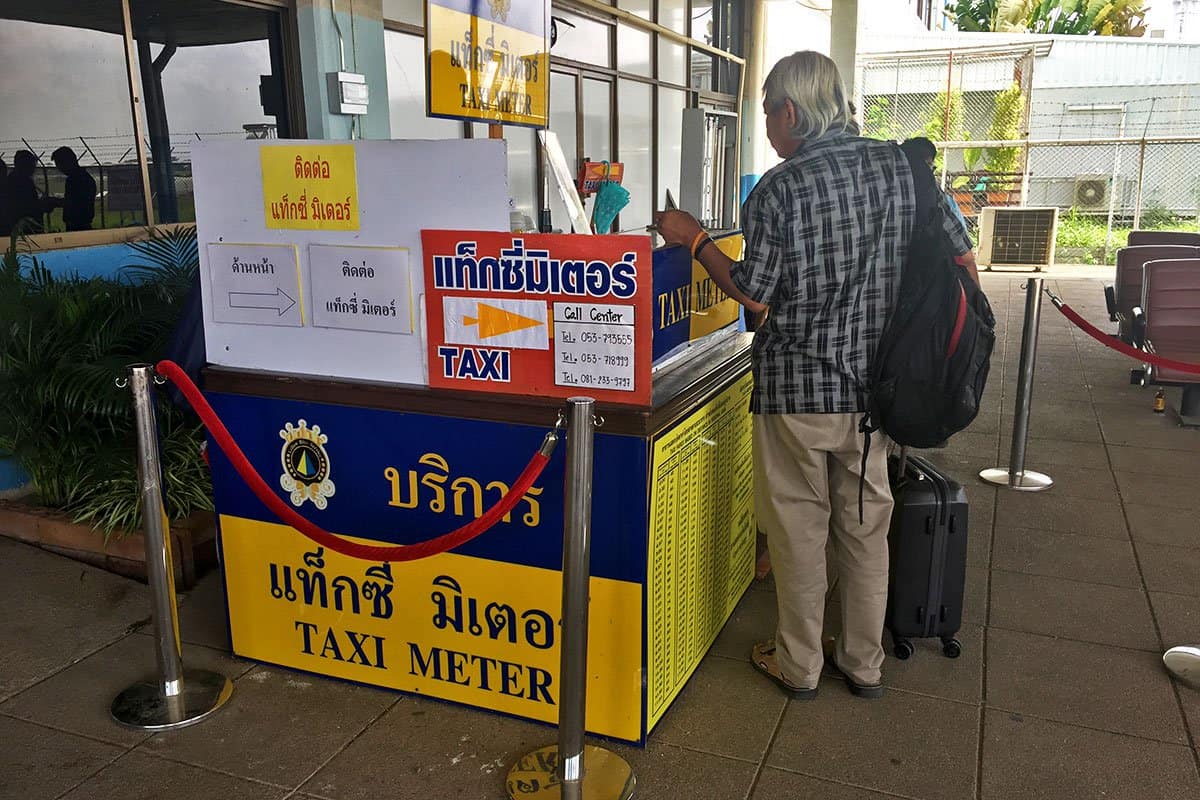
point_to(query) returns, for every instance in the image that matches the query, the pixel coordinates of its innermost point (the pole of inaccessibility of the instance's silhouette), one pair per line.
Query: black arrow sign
(278, 300)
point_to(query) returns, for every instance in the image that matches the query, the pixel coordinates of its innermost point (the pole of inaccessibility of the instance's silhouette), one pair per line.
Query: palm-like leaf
(63, 341)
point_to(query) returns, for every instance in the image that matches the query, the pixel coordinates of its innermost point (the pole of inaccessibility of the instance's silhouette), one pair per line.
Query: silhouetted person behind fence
(24, 205)
(5, 223)
(78, 202)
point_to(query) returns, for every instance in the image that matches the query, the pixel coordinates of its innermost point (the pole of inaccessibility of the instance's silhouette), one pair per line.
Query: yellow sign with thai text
(466, 629)
(310, 187)
(702, 538)
(488, 61)
(712, 309)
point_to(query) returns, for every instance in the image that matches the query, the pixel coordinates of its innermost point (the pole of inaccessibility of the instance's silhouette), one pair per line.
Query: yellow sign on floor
(310, 187)
(702, 538)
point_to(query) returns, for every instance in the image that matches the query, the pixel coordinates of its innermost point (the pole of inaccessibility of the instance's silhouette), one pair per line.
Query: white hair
(811, 81)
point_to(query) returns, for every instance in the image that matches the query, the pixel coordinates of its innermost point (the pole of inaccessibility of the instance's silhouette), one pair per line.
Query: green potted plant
(63, 342)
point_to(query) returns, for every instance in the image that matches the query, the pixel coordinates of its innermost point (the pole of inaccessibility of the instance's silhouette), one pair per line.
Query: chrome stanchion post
(1016, 476)
(571, 769)
(175, 697)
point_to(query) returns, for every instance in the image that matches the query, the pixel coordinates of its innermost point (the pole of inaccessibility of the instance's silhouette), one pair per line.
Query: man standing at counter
(826, 233)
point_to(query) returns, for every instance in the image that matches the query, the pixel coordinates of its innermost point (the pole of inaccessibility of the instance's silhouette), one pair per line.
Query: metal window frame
(295, 107)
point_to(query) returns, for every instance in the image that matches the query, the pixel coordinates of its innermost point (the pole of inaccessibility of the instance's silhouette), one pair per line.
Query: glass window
(635, 133)
(633, 49)
(209, 70)
(597, 120)
(522, 176)
(64, 83)
(671, 103)
(673, 14)
(597, 125)
(640, 7)
(405, 56)
(672, 62)
(702, 70)
(581, 38)
(562, 122)
(702, 21)
(410, 11)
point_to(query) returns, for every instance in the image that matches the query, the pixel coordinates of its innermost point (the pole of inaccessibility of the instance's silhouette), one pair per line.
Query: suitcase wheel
(951, 648)
(902, 649)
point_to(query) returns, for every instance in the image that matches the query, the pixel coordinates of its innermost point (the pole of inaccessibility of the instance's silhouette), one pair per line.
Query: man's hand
(677, 227)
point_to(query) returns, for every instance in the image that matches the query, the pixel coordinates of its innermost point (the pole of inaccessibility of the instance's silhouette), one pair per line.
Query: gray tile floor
(1059, 693)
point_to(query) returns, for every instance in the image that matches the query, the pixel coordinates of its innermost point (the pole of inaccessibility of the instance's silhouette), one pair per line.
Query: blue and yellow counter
(673, 530)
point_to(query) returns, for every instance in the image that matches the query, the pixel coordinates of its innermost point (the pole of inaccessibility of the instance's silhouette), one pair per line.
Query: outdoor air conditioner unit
(1017, 237)
(1091, 191)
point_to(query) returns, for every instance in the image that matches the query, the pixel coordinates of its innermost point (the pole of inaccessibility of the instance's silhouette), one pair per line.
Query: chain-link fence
(945, 95)
(1111, 158)
(112, 161)
(1103, 188)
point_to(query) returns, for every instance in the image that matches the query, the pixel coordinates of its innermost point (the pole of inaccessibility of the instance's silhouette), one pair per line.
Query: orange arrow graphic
(494, 321)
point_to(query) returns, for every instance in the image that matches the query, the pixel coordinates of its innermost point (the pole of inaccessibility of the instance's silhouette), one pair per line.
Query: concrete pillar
(843, 40)
(321, 52)
(753, 133)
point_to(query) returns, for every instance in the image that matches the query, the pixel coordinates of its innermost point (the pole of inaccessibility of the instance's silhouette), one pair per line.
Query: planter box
(193, 542)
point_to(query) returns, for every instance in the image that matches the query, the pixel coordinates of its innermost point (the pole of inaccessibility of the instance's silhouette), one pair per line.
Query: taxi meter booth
(388, 355)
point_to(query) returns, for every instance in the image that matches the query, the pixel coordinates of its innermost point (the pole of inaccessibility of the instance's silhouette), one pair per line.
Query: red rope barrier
(272, 501)
(1121, 347)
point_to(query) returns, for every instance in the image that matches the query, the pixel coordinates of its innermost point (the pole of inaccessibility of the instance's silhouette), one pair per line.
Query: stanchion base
(1027, 481)
(606, 776)
(1184, 663)
(144, 706)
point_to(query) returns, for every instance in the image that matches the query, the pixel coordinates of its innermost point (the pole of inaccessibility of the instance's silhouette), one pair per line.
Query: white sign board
(395, 189)
(255, 284)
(361, 288)
(593, 346)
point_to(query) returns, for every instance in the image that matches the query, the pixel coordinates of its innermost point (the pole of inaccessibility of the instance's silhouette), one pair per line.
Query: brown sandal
(763, 658)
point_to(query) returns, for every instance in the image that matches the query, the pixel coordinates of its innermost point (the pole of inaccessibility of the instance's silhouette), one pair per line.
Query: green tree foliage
(941, 126)
(1006, 125)
(1078, 17)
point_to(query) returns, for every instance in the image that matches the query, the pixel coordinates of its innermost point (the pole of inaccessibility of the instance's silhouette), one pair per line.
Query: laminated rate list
(593, 346)
(702, 538)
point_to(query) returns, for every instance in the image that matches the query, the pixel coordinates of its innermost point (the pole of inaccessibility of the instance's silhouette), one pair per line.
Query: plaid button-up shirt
(826, 235)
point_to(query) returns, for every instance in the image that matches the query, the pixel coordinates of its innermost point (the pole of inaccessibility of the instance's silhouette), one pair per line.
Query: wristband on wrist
(696, 242)
(707, 241)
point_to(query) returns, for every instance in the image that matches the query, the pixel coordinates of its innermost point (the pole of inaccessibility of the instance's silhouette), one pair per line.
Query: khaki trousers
(806, 481)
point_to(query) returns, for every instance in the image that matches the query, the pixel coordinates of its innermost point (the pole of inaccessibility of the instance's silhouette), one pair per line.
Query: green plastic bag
(610, 199)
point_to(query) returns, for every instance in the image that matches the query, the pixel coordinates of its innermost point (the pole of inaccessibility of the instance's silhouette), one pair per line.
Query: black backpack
(931, 365)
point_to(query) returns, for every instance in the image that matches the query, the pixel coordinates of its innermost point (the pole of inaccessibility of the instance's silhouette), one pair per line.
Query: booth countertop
(676, 390)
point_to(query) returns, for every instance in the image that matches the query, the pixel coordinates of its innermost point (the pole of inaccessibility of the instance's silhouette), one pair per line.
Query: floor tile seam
(1075, 580)
(92, 775)
(142, 749)
(1105, 584)
(62, 669)
(1184, 745)
(123, 746)
(1167, 544)
(827, 779)
(1073, 640)
(1179, 595)
(746, 760)
(762, 762)
(987, 606)
(300, 786)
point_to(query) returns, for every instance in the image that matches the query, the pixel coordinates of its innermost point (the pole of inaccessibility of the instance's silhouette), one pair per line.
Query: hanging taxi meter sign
(488, 60)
